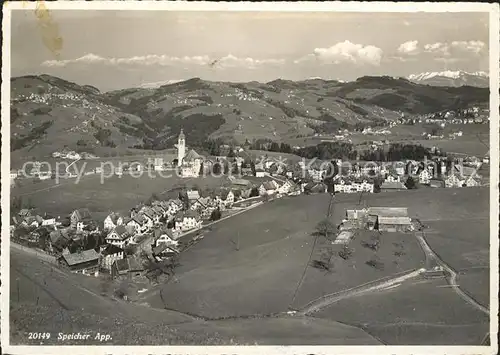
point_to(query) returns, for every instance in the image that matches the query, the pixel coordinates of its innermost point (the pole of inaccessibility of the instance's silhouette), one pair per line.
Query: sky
(119, 49)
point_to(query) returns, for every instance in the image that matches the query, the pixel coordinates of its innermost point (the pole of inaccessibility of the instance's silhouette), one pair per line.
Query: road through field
(452, 280)
(376, 285)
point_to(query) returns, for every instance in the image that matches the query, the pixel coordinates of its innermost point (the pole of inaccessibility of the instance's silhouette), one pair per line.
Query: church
(188, 163)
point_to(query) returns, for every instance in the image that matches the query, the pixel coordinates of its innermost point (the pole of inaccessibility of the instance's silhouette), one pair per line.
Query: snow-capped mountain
(451, 78)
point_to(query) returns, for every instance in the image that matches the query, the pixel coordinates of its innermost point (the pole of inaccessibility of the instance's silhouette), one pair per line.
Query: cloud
(409, 48)
(345, 52)
(229, 61)
(469, 46)
(439, 48)
(455, 48)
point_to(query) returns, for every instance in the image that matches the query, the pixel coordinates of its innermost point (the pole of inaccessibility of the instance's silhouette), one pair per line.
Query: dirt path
(371, 286)
(453, 275)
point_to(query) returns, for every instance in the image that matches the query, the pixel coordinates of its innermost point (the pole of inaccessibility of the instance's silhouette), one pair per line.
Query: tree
(215, 215)
(236, 170)
(216, 168)
(376, 186)
(410, 183)
(325, 228)
(254, 192)
(231, 153)
(202, 170)
(252, 166)
(346, 252)
(226, 167)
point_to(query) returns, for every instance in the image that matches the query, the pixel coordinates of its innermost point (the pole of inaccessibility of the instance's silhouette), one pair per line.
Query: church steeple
(181, 148)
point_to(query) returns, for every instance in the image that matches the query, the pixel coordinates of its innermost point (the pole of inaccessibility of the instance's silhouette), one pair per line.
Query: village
(148, 240)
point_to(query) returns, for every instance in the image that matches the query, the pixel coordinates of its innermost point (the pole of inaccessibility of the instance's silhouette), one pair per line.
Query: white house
(166, 238)
(471, 181)
(119, 237)
(187, 221)
(139, 224)
(453, 181)
(424, 177)
(174, 206)
(150, 214)
(393, 178)
(260, 173)
(48, 221)
(284, 188)
(112, 221)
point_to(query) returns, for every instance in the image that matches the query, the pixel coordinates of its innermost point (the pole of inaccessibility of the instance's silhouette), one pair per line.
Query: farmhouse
(85, 262)
(394, 224)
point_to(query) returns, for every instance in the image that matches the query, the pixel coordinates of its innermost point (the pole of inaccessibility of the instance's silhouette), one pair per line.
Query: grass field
(115, 194)
(52, 300)
(354, 271)
(217, 280)
(272, 254)
(414, 313)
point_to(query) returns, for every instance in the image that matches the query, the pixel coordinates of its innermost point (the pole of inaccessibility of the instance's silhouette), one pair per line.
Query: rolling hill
(49, 113)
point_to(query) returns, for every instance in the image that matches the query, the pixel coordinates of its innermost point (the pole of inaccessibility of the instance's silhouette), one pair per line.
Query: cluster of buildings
(157, 224)
(384, 219)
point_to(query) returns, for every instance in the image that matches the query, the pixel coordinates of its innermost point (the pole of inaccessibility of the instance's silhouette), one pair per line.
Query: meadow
(425, 312)
(252, 263)
(47, 299)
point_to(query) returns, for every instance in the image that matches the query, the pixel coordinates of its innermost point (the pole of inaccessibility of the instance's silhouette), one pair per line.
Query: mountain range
(452, 78)
(49, 113)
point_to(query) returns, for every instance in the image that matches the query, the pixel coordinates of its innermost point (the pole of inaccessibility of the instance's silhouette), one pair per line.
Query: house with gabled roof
(163, 251)
(139, 224)
(149, 213)
(119, 236)
(188, 220)
(61, 238)
(112, 221)
(454, 180)
(85, 262)
(165, 236)
(79, 218)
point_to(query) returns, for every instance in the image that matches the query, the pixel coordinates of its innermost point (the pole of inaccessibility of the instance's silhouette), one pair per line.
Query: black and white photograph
(282, 179)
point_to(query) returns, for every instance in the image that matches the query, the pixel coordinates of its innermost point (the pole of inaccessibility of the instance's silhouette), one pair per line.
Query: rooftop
(388, 211)
(82, 257)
